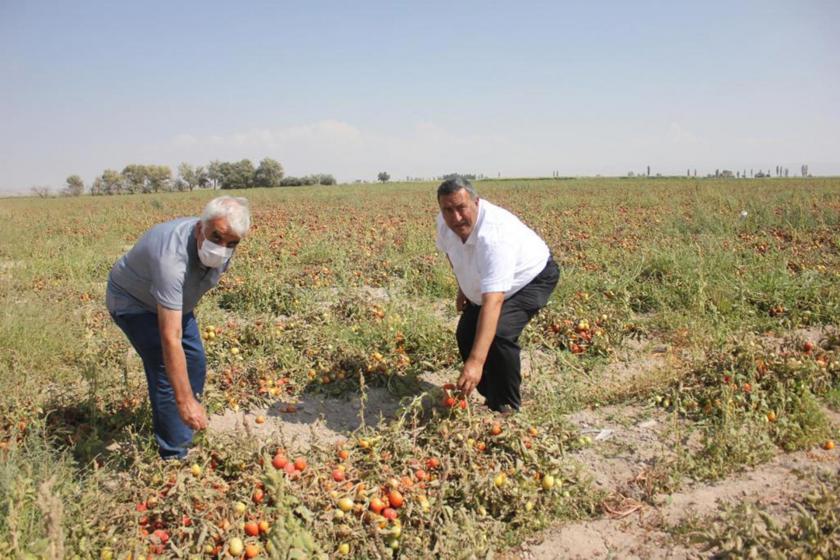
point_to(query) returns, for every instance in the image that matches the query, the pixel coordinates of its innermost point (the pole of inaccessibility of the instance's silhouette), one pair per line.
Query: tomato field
(692, 340)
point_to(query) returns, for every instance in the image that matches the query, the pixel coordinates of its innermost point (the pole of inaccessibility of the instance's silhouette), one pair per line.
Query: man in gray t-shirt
(152, 291)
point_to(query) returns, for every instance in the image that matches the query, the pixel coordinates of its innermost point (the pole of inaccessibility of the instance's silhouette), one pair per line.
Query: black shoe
(505, 410)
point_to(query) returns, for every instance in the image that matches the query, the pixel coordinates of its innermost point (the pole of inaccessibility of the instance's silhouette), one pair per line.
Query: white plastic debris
(604, 434)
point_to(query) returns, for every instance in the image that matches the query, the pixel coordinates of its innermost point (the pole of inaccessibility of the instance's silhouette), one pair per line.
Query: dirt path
(320, 419)
(643, 534)
(627, 441)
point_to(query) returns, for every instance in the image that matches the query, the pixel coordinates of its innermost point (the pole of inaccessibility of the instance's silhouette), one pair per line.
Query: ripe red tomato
(258, 496)
(162, 535)
(395, 499)
(338, 475)
(432, 463)
(389, 513)
(252, 529)
(300, 463)
(377, 505)
(279, 461)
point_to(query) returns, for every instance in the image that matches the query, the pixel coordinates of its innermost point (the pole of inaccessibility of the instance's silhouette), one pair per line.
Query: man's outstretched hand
(470, 376)
(193, 415)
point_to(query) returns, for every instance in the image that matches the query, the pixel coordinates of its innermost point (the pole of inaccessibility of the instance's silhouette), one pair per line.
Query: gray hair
(235, 209)
(455, 184)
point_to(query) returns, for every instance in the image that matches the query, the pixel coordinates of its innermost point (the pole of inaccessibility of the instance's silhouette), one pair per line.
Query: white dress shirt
(501, 254)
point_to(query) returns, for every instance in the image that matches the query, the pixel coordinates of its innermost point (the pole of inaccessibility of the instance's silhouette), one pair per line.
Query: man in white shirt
(505, 275)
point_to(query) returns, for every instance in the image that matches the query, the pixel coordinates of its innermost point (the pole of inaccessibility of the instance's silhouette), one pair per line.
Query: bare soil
(644, 533)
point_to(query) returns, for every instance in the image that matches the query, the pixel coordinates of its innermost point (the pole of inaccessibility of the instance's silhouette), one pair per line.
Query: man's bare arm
(175, 362)
(488, 320)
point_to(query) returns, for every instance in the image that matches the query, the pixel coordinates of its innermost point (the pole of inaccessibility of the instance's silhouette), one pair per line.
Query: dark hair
(455, 184)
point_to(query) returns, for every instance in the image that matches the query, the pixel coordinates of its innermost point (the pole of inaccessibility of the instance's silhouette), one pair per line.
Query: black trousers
(502, 377)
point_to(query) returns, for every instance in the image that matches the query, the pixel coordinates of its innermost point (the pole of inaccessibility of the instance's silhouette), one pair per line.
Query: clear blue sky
(418, 88)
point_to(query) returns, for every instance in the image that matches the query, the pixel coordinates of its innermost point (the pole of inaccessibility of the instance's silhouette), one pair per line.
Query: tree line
(138, 178)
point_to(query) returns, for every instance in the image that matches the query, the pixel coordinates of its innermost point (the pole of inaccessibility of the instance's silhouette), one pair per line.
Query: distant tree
(239, 175)
(135, 178)
(187, 177)
(109, 183)
(268, 174)
(631, 174)
(383, 176)
(316, 179)
(40, 191)
(202, 177)
(448, 176)
(74, 186)
(214, 173)
(160, 177)
(96, 188)
(648, 170)
(291, 181)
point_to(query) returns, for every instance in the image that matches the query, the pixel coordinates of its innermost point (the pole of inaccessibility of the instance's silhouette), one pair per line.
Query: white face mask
(212, 255)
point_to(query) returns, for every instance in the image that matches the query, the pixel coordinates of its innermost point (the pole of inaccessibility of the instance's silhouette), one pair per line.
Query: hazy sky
(418, 88)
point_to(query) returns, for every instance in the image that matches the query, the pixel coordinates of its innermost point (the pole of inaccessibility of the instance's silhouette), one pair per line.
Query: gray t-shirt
(162, 268)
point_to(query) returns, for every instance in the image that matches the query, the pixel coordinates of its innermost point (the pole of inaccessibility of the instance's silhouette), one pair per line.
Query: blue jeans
(171, 434)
